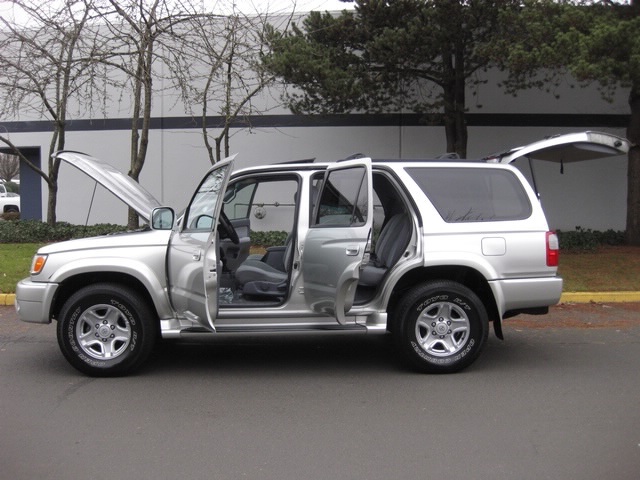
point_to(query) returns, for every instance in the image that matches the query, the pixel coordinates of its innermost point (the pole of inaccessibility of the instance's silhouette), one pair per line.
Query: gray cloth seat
(254, 269)
(391, 244)
(262, 274)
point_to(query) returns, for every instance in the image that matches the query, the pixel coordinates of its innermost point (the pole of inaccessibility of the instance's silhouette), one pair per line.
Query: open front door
(193, 259)
(337, 242)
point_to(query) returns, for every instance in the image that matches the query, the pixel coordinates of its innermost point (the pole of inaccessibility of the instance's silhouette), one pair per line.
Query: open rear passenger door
(337, 243)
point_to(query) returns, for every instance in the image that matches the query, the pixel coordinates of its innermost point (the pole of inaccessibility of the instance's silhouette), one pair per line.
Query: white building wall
(590, 194)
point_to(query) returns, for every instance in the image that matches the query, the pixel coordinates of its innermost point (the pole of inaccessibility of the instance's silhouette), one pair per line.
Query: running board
(351, 328)
(264, 330)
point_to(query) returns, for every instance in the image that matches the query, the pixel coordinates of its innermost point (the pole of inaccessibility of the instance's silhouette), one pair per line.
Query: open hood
(572, 147)
(121, 185)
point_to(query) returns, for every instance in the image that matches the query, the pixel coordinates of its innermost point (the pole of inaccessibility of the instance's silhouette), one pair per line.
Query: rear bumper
(33, 301)
(519, 295)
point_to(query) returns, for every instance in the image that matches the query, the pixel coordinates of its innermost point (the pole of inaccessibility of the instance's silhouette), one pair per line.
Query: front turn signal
(38, 264)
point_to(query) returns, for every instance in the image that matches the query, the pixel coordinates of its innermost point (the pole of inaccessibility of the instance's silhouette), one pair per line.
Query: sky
(8, 11)
(301, 5)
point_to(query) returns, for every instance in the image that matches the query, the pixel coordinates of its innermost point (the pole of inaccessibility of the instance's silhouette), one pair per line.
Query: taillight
(553, 249)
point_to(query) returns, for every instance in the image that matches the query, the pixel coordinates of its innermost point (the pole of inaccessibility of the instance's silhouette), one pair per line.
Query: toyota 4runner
(431, 252)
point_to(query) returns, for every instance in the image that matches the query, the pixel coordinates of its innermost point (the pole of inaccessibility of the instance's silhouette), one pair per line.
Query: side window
(199, 216)
(238, 199)
(263, 203)
(473, 194)
(316, 186)
(344, 198)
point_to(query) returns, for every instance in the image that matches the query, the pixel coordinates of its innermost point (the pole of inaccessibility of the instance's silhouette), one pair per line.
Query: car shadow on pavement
(270, 354)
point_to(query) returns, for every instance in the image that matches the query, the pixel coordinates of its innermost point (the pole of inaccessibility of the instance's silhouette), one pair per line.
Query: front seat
(393, 241)
(256, 270)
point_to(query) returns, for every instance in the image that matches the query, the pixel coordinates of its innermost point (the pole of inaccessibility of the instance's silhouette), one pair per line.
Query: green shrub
(269, 239)
(611, 237)
(587, 240)
(33, 231)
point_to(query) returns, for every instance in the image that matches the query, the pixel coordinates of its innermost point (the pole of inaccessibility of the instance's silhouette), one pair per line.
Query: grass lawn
(15, 262)
(608, 269)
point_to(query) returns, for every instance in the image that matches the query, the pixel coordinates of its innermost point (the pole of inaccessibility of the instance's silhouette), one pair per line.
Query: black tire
(441, 327)
(106, 330)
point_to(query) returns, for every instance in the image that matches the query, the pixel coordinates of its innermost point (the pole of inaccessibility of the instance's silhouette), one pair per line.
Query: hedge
(33, 231)
(585, 239)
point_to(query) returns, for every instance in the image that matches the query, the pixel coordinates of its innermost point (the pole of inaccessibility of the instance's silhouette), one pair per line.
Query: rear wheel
(106, 330)
(442, 327)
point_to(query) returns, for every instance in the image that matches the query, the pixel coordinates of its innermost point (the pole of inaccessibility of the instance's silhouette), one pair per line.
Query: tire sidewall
(422, 298)
(135, 313)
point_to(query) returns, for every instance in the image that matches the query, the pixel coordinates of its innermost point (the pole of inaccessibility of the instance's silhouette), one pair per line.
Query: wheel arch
(72, 284)
(11, 209)
(467, 276)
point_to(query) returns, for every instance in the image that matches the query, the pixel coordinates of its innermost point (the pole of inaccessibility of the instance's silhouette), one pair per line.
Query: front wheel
(106, 330)
(441, 327)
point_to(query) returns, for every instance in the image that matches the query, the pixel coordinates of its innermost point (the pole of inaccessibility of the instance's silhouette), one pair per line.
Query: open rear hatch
(571, 147)
(561, 149)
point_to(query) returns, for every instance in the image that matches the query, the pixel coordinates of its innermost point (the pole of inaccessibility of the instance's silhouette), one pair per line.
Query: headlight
(38, 264)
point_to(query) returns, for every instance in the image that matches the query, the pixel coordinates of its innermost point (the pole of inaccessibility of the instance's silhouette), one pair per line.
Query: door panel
(194, 264)
(337, 243)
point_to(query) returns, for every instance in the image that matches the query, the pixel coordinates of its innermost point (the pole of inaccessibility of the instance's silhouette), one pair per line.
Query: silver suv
(429, 252)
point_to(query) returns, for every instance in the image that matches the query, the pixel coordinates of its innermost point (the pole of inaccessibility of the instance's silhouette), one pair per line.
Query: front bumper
(34, 300)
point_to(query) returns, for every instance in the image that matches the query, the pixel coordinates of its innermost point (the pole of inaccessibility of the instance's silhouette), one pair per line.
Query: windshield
(200, 214)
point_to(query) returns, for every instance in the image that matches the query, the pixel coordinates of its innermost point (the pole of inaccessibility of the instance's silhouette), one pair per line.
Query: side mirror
(162, 218)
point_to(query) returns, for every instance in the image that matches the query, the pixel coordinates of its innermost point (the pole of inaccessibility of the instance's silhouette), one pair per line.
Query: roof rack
(448, 156)
(355, 156)
(291, 162)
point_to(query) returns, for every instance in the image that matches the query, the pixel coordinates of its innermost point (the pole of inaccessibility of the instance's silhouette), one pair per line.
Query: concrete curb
(599, 297)
(8, 299)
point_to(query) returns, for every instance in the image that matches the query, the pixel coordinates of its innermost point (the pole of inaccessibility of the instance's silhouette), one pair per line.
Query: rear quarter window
(473, 194)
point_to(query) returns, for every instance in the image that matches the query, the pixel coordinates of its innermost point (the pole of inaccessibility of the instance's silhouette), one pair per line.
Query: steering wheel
(227, 228)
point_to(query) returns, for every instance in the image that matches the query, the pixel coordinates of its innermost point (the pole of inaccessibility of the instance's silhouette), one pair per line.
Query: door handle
(353, 250)
(197, 254)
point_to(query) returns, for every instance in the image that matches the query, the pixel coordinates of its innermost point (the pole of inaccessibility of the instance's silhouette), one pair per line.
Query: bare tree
(71, 48)
(140, 33)
(225, 75)
(9, 166)
(45, 61)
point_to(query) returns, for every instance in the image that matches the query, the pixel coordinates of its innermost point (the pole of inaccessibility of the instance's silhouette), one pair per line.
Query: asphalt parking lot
(558, 399)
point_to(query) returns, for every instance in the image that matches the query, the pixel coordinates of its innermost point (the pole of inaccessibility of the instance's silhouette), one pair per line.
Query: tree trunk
(52, 201)
(455, 125)
(455, 99)
(633, 172)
